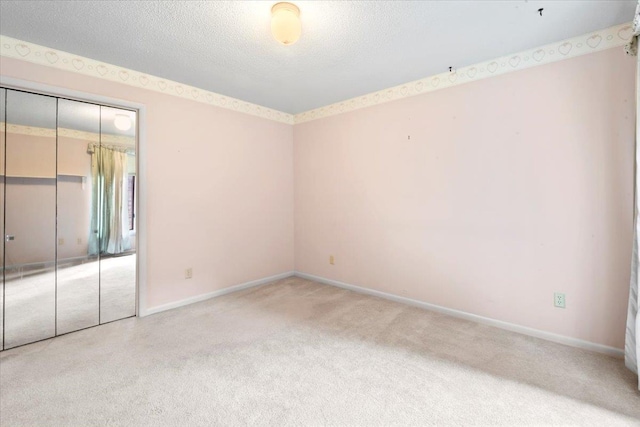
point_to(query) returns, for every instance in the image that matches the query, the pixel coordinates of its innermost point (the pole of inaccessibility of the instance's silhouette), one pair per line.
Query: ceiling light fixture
(122, 122)
(285, 23)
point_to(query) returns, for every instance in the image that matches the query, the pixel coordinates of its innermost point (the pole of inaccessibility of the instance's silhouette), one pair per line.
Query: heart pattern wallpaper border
(595, 41)
(18, 49)
(608, 38)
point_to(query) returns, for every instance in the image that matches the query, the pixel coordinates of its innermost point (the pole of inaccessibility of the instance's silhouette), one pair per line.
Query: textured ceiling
(347, 48)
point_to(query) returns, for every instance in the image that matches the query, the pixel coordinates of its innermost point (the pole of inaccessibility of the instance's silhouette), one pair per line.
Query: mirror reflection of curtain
(109, 217)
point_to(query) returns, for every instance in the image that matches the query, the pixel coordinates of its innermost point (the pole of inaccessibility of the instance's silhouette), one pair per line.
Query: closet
(67, 213)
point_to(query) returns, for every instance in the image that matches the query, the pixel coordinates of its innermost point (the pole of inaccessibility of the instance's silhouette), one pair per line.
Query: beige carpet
(300, 353)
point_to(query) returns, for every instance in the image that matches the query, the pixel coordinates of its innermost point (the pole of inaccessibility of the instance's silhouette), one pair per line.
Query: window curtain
(632, 338)
(109, 214)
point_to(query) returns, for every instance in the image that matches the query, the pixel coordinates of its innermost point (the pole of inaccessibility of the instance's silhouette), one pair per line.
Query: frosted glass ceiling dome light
(122, 122)
(285, 23)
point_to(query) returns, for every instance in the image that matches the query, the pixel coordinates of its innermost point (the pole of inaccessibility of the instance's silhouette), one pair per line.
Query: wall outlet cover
(559, 300)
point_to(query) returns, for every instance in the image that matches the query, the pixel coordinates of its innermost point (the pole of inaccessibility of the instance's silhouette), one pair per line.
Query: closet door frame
(141, 168)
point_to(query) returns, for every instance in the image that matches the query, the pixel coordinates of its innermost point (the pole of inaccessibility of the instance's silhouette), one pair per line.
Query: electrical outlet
(60, 241)
(188, 273)
(332, 260)
(558, 300)
(79, 240)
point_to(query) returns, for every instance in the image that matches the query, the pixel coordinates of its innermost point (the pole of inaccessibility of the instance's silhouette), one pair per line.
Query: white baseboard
(220, 292)
(561, 339)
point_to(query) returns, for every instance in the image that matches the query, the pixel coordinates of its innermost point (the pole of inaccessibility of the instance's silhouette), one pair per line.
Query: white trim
(595, 41)
(218, 293)
(42, 55)
(549, 336)
(141, 210)
(141, 226)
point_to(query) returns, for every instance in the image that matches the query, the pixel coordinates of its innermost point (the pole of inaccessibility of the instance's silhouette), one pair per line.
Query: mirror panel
(30, 218)
(116, 177)
(3, 95)
(78, 269)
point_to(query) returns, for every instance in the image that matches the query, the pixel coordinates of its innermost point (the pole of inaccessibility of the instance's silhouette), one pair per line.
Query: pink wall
(219, 188)
(31, 155)
(31, 194)
(73, 197)
(508, 190)
(25, 219)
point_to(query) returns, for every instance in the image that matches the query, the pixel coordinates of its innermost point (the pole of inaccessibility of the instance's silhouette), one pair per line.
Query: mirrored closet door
(30, 218)
(3, 101)
(117, 191)
(78, 275)
(67, 208)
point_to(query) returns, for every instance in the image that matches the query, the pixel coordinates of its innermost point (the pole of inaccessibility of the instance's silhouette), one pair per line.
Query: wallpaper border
(42, 55)
(594, 41)
(69, 133)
